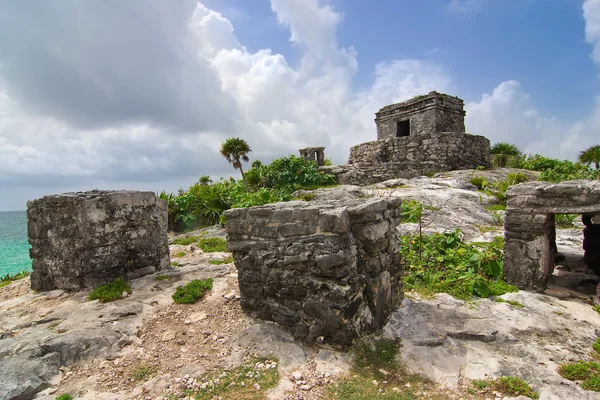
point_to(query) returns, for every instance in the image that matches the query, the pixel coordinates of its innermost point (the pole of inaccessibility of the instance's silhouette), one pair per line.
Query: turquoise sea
(14, 247)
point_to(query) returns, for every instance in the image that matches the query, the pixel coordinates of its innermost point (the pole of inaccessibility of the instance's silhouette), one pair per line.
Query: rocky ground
(146, 347)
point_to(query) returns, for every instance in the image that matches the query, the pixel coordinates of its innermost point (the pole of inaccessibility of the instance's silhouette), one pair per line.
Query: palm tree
(236, 150)
(590, 155)
(502, 152)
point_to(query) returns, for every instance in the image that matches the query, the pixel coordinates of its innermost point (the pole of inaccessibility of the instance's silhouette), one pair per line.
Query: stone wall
(326, 271)
(412, 156)
(428, 114)
(529, 226)
(83, 240)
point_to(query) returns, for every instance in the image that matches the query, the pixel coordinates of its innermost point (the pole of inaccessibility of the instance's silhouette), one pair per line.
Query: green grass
(511, 302)
(64, 396)
(507, 385)
(496, 207)
(179, 254)
(186, 241)
(111, 291)
(5, 283)
(227, 260)
(579, 370)
(592, 383)
(239, 382)
(142, 372)
(596, 346)
(193, 291)
(432, 208)
(163, 277)
(565, 220)
(597, 308)
(212, 245)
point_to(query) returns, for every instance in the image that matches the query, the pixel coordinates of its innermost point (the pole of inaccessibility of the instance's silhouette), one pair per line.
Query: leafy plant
(591, 155)
(510, 385)
(480, 182)
(111, 291)
(193, 291)
(579, 370)
(235, 150)
(411, 211)
(499, 189)
(443, 263)
(502, 152)
(565, 220)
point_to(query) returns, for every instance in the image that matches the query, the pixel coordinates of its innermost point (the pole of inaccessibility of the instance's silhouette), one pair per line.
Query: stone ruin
(423, 135)
(328, 272)
(530, 231)
(316, 154)
(83, 240)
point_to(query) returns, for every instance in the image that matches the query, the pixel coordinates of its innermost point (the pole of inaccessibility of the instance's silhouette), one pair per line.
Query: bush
(411, 211)
(111, 291)
(193, 291)
(443, 263)
(500, 188)
(554, 170)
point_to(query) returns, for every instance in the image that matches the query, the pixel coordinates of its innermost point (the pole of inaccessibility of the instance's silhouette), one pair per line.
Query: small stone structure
(316, 154)
(530, 231)
(326, 271)
(419, 136)
(82, 240)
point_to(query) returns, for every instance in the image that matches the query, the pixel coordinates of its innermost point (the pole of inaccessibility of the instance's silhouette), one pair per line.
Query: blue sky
(140, 94)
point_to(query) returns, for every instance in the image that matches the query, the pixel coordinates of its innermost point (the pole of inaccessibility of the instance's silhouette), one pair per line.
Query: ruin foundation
(530, 232)
(83, 240)
(328, 272)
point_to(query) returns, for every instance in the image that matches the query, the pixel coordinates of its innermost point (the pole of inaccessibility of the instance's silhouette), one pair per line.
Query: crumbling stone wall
(325, 271)
(434, 112)
(316, 154)
(83, 240)
(530, 231)
(412, 156)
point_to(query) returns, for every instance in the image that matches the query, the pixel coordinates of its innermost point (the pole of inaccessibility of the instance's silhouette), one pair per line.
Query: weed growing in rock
(592, 383)
(443, 263)
(496, 207)
(227, 260)
(480, 182)
(211, 245)
(511, 302)
(193, 291)
(179, 254)
(249, 381)
(163, 277)
(142, 372)
(186, 241)
(579, 370)
(484, 228)
(307, 197)
(510, 385)
(174, 263)
(111, 291)
(497, 218)
(411, 211)
(64, 396)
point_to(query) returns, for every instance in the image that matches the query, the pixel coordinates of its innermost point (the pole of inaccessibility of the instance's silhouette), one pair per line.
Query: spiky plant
(590, 155)
(236, 150)
(502, 152)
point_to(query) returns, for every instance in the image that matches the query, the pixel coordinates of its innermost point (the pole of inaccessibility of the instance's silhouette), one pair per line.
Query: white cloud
(591, 14)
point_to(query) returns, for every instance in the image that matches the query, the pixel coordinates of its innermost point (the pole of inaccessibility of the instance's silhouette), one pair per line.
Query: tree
(236, 150)
(590, 155)
(502, 152)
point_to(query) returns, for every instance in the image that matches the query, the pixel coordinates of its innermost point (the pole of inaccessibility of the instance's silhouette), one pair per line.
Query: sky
(141, 94)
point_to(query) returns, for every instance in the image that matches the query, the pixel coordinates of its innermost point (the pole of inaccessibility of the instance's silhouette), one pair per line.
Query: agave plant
(590, 155)
(502, 152)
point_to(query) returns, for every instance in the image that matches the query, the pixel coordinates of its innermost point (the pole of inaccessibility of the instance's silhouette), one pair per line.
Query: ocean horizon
(14, 246)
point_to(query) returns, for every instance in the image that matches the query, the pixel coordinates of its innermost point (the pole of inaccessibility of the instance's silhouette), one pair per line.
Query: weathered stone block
(338, 282)
(83, 240)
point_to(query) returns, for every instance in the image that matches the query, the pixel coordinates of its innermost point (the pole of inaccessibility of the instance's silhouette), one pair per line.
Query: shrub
(411, 211)
(290, 173)
(480, 182)
(111, 291)
(64, 396)
(193, 291)
(212, 245)
(443, 263)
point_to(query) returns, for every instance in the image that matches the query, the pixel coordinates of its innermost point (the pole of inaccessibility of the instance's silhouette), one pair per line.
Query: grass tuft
(111, 291)
(186, 241)
(193, 291)
(579, 370)
(212, 245)
(179, 254)
(64, 396)
(8, 279)
(511, 302)
(227, 260)
(163, 277)
(509, 385)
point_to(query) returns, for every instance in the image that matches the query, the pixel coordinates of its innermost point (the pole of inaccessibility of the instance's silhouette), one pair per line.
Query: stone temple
(423, 135)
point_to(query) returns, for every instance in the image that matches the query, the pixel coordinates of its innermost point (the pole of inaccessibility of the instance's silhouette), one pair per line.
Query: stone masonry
(316, 154)
(530, 232)
(83, 240)
(328, 272)
(416, 137)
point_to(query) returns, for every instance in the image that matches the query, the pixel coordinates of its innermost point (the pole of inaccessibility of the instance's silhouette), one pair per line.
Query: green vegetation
(212, 245)
(480, 182)
(554, 170)
(565, 220)
(175, 263)
(596, 346)
(586, 371)
(507, 385)
(496, 207)
(307, 197)
(597, 308)
(186, 241)
(7, 279)
(227, 260)
(511, 302)
(443, 263)
(239, 383)
(193, 291)
(503, 152)
(64, 396)
(111, 291)
(142, 372)
(163, 277)
(235, 150)
(591, 155)
(179, 254)
(204, 202)
(411, 211)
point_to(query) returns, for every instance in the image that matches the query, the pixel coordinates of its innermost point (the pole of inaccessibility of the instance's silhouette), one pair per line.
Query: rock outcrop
(328, 272)
(82, 240)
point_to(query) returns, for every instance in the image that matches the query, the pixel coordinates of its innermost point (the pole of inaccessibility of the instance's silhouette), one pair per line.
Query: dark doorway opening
(402, 128)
